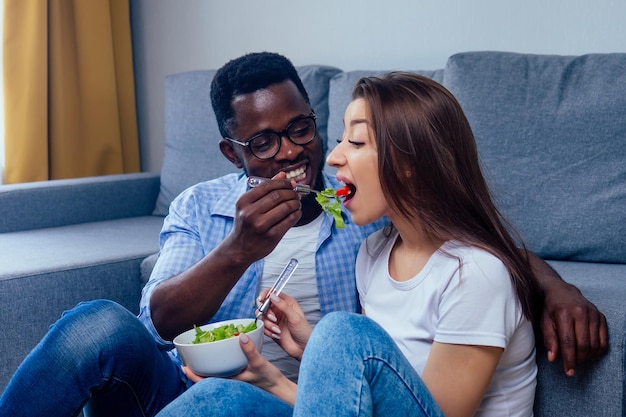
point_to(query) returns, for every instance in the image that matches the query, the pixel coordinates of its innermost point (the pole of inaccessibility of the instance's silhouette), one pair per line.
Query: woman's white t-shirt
(463, 295)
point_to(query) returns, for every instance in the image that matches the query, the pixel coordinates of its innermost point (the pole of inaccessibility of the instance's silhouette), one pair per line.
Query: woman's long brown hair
(430, 172)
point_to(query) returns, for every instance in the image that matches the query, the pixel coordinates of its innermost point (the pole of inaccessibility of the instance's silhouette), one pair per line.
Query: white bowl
(221, 357)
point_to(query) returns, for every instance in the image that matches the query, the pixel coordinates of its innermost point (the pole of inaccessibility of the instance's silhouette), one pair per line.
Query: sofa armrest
(56, 203)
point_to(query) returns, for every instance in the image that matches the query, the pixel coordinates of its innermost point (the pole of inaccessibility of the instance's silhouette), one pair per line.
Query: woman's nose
(334, 158)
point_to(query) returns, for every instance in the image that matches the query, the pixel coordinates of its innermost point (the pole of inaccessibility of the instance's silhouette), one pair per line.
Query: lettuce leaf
(333, 207)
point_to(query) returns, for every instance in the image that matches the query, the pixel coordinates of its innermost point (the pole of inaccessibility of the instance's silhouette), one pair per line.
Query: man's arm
(263, 216)
(569, 321)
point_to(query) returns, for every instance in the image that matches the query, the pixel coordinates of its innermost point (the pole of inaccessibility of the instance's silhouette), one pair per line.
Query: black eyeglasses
(266, 145)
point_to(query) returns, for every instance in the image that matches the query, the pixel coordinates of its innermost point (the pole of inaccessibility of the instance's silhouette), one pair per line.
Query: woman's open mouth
(346, 192)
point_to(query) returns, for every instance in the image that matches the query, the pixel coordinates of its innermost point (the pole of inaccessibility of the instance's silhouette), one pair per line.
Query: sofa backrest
(551, 133)
(192, 154)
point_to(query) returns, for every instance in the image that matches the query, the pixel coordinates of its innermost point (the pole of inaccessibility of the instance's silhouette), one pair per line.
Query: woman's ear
(229, 152)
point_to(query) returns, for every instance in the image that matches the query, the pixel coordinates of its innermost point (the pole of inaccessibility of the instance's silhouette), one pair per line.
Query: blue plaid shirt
(203, 215)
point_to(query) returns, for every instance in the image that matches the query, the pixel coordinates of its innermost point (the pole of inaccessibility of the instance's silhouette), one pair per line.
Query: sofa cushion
(192, 154)
(340, 93)
(41, 251)
(551, 132)
(47, 271)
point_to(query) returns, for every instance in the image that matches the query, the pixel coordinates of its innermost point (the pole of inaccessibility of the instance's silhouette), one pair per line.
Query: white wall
(172, 36)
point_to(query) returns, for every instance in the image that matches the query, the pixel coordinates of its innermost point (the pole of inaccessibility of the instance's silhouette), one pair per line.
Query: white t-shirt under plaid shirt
(299, 243)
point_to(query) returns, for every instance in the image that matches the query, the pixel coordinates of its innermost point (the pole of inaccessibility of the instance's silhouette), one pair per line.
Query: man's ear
(229, 152)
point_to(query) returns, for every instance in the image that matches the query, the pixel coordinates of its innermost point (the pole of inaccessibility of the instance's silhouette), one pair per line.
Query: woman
(446, 281)
(447, 296)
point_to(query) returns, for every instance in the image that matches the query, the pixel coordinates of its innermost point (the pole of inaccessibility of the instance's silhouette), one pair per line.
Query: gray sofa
(551, 132)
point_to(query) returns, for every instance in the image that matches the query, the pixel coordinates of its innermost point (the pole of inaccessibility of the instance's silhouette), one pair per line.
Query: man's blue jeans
(97, 355)
(351, 367)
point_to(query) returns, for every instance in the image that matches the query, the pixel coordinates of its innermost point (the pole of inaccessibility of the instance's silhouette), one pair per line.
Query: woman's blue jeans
(97, 355)
(351, 367)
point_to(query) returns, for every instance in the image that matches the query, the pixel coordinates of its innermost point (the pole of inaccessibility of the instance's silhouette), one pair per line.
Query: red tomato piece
(343, 191)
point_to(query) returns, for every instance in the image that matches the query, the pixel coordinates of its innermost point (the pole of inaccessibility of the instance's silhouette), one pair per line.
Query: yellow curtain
(69, 89)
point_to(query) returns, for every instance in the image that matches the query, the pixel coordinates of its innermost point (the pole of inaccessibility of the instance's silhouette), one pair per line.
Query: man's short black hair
(245, 75)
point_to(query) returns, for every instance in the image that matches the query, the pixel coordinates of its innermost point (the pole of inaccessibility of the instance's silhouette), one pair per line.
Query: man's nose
(287, 148)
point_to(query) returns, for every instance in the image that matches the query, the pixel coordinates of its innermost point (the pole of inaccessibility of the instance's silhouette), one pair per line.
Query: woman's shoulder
(476, 260)
(469, 252)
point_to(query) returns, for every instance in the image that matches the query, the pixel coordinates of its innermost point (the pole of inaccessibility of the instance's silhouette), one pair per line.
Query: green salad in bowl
(222, 332)
(213, 349)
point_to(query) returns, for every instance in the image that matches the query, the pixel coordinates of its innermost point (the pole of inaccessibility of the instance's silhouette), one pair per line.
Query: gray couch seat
(46, 271)
(42, 251)
(63, 242)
